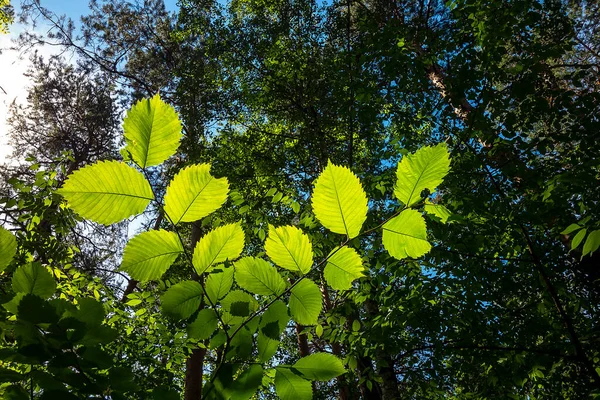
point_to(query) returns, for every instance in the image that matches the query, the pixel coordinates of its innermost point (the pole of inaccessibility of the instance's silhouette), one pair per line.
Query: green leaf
(194, 193)
(578, 239)
(35, 279)
(571, 228)
(15, 392)
(152, 131)
(290, 386)
(221, 244)
(306, 302)
(239, 304)
(90, 311)
(247, 383)
(406, 235)
(438, 210)
(34, 309)
(218, 283)
(266, 347)
(107, 192)
(272, 323)
(258, 276)
(343, 267)
(320, 367)
(182, 299)
(591, 243)
(319, 330)
(8, 248)
(425, 169)
(150, 254)
(289, 248)
(13, 304)
(274, 320)
(339, 201)
(204, 325)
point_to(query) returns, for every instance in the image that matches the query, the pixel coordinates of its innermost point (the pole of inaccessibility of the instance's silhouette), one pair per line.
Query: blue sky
(76, 8)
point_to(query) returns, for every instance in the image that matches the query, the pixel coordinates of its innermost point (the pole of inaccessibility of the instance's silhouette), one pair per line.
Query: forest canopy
(354, 199)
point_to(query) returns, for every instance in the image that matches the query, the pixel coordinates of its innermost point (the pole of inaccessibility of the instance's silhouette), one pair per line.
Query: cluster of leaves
(242, 324)
(6, 15)
(579, 232)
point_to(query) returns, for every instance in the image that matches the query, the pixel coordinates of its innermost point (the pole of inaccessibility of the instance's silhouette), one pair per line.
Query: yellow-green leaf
(221, 244)
(149, 255)
(219, 283)
(591, 243)
(438, 210)
(343, 267)
(339, 201)
(425, 169)
(204, 325)
(152, 131)
(107, 192)
(406, 235)
(578, 238)
(194, 193)
(34, 278)
(182, 300)
(289, 248)
(8, 248)
(290, 386)
(306, 302)
(258, 276)
(320, 367)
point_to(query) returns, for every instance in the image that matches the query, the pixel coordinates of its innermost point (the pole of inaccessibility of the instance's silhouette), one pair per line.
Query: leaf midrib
(337, 197)
(288, 250)
(405, 234)
(153, 257)
(109, 193)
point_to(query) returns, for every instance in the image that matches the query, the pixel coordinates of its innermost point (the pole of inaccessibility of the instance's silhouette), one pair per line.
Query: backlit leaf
(182, 300)
(290, 386)
(591, 243)
(306, 302)
(343, 267)
(194, 193)
(570, 228)
(578, 239)
(258, 276)
(425, 169)
(218, 283)
(320, 367)
(438, 210)
(33, 278)
(152, 131)
(406, 235)
(239, 304)
(272, 323)
(149, 255)
(274, 320)
(221, 244)
(289, 248)
(339, 201)
(247, 383)
(204, 325)
(8, 248)
(107, 192)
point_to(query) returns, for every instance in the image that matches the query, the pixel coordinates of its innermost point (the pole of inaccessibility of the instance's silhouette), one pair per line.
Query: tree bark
(193, 374)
